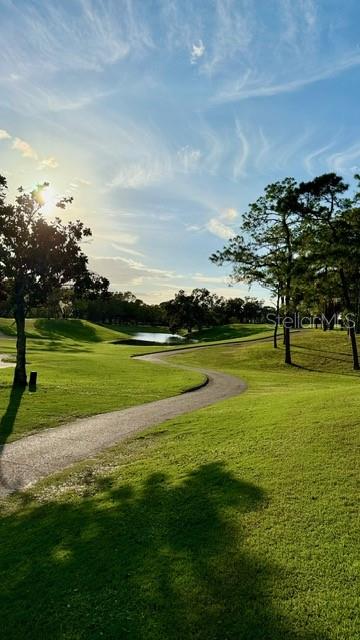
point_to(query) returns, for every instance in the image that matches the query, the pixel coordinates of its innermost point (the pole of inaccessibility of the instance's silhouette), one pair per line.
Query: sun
(46, 197)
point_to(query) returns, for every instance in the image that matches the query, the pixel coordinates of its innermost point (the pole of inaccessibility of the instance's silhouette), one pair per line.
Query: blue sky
(165, 119)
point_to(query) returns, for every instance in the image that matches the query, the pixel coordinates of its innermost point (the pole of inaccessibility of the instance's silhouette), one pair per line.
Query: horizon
(164, 123)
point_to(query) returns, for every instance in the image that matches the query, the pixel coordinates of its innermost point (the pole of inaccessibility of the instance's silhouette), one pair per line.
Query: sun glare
(47, 198)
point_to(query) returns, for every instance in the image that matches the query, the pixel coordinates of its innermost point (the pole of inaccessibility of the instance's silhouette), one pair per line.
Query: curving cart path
(27, 460)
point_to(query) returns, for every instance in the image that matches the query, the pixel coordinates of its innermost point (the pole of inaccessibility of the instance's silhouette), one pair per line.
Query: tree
(266, 250)
(331, 228)
(37, 257)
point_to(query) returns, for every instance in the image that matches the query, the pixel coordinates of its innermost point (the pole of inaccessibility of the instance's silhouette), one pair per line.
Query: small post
(32, 380)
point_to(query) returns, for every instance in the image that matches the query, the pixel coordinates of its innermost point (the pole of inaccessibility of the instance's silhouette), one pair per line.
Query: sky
(164, 119)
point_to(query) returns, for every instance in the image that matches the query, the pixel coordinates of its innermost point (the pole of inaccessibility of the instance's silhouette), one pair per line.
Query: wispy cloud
(241, 160)
(49, 163)
(343, 161)
(219, 229)
(98, 34)
(25, 149)
(229, 214)
(131, 252)
(257, 85)
(200, 277)
(197, 51)
(4, 135)
(311, 158)
(233, 35)
(188, 158)
(139, 174)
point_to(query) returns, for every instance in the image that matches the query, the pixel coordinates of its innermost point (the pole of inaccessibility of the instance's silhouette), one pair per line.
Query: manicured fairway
(237, 522)
(80, 373)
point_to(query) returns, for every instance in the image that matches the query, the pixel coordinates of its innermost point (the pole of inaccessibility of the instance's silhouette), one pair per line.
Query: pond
(154, 338)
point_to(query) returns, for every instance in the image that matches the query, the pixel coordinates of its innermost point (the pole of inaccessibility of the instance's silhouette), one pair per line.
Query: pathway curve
(33, 457)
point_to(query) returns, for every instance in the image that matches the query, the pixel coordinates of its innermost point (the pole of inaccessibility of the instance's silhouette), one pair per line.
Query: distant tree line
(189, 312)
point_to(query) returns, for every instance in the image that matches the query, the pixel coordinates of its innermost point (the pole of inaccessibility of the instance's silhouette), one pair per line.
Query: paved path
(33, 457)
(3, 363)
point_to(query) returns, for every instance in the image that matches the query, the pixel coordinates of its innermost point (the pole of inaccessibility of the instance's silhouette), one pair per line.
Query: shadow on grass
(7, 425)
(326, 352)
(159, 561)
(59, 346)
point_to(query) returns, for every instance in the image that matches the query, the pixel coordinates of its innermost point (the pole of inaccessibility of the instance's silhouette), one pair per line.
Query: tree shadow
(58, 345)
(156, 561)
(326, 352)
(7, 425)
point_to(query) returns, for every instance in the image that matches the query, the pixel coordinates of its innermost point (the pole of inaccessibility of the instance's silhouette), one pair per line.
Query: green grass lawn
(79, 373)
(232, 332)
(237, 522)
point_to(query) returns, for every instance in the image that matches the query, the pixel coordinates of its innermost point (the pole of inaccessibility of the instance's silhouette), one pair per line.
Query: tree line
(186, 311)
(302, 242)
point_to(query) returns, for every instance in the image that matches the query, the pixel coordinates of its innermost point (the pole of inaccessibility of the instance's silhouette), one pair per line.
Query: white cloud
(233, 34)
(257, 85)
(4, 135)
(229, 214)
(24, 148)
(241, 160)
(197, 51)
(27, 151)
(97, 35)
(343, 160)
(130, 272)
(200, 277)
(189, 158)
(219, 229)
(120, 237)
(139, 174)
(131, 252)
(311, 157)
(50, 163)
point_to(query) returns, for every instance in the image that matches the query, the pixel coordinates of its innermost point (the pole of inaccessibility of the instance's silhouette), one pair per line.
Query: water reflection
(156, 338)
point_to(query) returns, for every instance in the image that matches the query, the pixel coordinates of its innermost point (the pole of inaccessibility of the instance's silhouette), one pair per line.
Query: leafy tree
(37, 257)
(265, 251)
(331, 232)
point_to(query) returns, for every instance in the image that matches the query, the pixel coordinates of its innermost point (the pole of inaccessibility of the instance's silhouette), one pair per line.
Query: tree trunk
(354, 348)
(287, 345)
(276, 331)
(287, 328)
(20, 368)
(352, 330)
(276, 321)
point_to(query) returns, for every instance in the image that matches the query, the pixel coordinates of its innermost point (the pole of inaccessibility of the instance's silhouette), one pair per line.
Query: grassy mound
(72, 329)
(238, 521)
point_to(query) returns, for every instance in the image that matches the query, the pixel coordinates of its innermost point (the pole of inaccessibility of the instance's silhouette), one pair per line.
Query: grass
(232, 332)
(55, 330)
(238, 521)
(79, 373)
